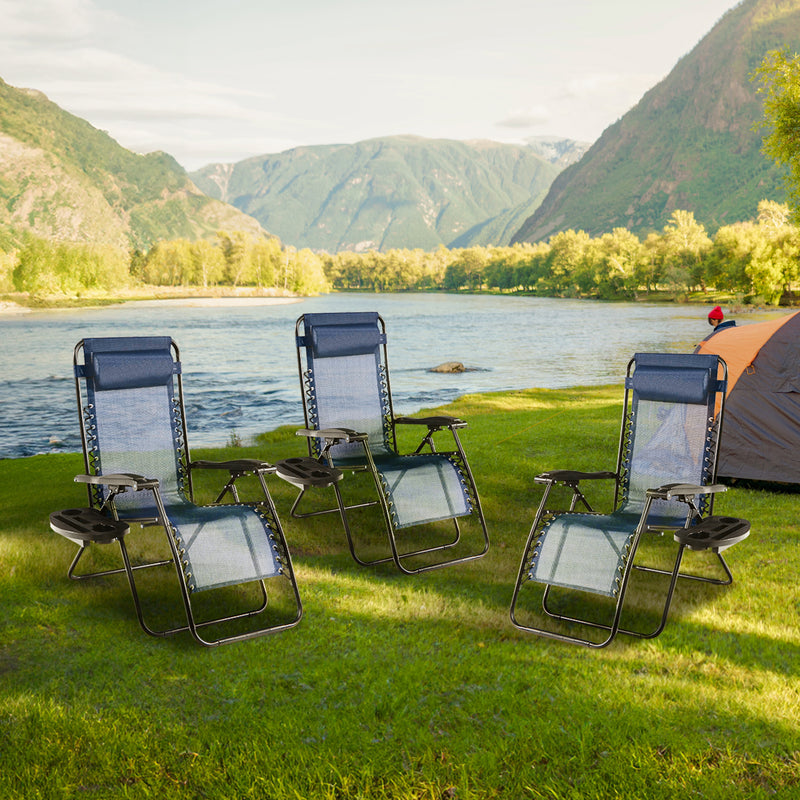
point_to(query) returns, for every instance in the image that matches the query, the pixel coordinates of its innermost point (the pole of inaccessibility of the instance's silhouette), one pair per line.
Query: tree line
(43, 267)
(756, 259)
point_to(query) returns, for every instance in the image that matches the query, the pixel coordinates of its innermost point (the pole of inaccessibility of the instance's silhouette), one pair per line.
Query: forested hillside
(64, 180)
(397, 191)
(691, 143)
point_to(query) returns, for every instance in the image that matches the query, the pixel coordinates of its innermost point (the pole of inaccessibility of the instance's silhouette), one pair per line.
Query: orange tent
(761, 431)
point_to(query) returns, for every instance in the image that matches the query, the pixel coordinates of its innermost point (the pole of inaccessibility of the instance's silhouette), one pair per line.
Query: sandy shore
(9, 307)
(12, 308)
(216, 302)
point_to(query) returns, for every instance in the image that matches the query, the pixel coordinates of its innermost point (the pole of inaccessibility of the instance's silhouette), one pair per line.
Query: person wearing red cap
(716, 317)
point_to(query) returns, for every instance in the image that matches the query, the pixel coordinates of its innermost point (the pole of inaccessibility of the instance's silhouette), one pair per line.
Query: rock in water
(448, 366)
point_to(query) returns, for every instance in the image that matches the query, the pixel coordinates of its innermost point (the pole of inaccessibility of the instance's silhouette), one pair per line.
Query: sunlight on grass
(358, 596)
(530, 400)
(394, 686)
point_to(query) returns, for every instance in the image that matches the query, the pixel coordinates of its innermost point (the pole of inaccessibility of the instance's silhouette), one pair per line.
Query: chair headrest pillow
(126, 370)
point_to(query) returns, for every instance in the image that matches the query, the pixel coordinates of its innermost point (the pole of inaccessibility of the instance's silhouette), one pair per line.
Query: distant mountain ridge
(688, 144)
(62, 179)
(389, 192)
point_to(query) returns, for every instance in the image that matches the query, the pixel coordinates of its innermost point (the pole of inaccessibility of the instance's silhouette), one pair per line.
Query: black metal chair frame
(333, 436)
(101, 524)
(701, 531)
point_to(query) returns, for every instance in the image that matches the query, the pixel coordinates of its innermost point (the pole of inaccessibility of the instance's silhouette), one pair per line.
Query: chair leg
(614, 628)
(342, 510)
(102, 573)
(397, 557)
(668, 601)
(194, 626)
(726, 581)
(128, 569)
(676, 575)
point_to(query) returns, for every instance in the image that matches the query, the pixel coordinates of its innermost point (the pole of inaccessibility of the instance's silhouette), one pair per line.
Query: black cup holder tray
(87, 525)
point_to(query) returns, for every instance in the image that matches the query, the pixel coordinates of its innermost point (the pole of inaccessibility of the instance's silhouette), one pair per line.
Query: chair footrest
(307, 471)
(715, 533)
(87, 525)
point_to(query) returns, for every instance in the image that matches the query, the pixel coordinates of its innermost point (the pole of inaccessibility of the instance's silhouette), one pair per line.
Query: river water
(240, 364)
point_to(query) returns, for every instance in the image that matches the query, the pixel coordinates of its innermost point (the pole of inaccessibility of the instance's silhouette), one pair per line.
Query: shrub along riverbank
(396, 686)
(753, 262)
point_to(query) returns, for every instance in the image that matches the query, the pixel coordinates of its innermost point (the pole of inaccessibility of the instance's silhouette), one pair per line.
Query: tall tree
(684, 243)
(779, 75)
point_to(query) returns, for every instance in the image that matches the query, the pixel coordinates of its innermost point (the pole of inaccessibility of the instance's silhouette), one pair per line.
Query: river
(240, 364)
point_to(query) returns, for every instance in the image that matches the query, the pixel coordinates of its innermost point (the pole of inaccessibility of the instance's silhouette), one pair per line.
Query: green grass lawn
(395, 686)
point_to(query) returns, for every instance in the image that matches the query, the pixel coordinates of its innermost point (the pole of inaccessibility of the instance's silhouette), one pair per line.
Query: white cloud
(580, 106)
(45, 22)
(524, 118)
(143, 106)
(607, 86)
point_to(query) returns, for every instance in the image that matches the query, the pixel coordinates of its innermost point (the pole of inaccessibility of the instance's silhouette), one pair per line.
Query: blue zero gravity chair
(138, 470)
(350, 423)
(666, 466)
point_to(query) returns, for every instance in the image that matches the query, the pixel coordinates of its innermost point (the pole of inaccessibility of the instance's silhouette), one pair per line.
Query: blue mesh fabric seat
(664, 482)
(342, 361)
(138, 470)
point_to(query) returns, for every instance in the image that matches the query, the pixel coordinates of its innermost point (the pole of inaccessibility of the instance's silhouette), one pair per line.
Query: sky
(222, 81)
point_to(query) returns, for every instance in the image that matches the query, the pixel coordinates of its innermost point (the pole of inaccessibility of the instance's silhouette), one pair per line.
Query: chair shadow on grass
(463, 585)
(341, 632)
(489, 582)
(109, 597)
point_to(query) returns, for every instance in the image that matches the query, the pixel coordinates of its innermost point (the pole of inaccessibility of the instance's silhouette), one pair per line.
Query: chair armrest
(569, 476)
(433, 423)
(240, 466)
(680, 490)
(333, 434)
(119, 481)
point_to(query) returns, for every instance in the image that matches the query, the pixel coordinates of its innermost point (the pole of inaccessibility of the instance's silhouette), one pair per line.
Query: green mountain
(690, 142)
(392, 192)
(63, 179)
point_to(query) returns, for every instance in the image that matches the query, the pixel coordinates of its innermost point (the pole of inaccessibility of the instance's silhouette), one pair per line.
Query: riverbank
(7, 307)
(23, 303)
